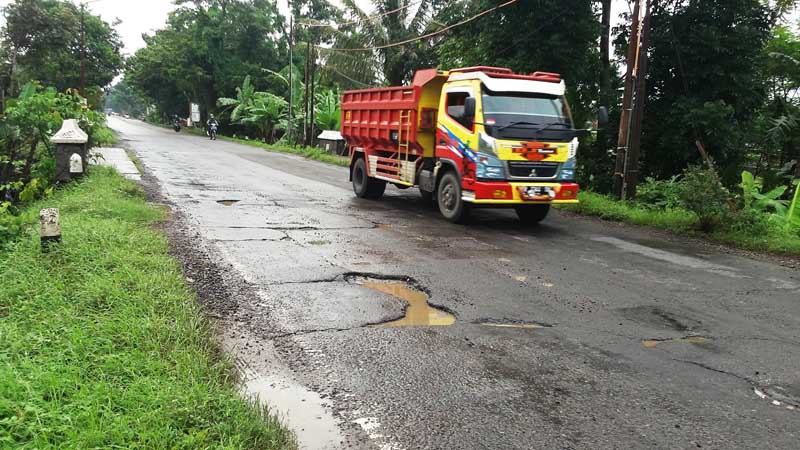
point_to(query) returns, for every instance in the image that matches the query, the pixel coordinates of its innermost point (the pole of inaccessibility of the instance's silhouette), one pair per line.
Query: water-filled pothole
(228, 202)
(419, 312)
(653, 343)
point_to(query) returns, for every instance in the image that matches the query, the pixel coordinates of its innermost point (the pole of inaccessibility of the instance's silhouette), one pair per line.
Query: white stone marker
(50, 231)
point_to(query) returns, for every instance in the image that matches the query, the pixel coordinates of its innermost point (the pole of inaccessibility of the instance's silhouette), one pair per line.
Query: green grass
(102, 344)
(680, 221)
(314, 153)
(104, 137)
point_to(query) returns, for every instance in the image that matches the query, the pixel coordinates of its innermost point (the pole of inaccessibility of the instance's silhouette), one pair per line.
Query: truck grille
(532, 170)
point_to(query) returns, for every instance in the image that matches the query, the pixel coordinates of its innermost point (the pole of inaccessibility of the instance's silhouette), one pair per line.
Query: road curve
(577, 334)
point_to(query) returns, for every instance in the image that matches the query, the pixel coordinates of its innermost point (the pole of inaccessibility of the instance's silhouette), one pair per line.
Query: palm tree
(393, 21)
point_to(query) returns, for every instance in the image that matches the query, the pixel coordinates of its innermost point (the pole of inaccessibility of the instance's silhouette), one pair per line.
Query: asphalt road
(614, 337)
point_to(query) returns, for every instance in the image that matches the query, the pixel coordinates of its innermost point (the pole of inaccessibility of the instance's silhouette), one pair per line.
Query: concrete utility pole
(291, 69)
(82, 87)
(627, 102)
(632, 157)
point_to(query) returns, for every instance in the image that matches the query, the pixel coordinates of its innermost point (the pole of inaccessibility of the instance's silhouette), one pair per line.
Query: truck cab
(472, 137)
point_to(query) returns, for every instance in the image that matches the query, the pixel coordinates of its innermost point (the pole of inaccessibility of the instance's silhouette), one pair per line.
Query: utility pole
(291, 69)
(305, 95)
(82, 87)
(632, 156)
(627, 102)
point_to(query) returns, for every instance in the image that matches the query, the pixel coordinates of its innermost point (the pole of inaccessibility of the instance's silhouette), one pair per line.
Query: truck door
(456, 132)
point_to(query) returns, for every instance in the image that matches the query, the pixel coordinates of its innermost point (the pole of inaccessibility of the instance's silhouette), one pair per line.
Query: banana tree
(266, 113)
(328, 110)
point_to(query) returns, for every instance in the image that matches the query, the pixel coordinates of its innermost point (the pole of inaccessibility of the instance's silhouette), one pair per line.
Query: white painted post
(50, 227)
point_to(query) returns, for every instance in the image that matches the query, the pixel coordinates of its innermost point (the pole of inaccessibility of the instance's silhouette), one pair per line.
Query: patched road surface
(576, 334)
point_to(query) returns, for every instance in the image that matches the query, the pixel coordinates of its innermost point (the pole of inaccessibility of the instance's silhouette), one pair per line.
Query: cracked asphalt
(644, 340)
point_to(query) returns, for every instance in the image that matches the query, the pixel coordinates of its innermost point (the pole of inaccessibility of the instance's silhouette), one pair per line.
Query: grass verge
(102, 344)
(314, 153)
(681, 221)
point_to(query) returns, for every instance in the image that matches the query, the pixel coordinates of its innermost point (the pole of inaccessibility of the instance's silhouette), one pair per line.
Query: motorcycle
(212, 131)
(176, 126)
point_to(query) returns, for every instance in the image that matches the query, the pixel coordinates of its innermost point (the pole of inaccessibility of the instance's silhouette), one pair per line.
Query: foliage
(205, 51)
(704, 82)
(660, 193)
(704, 194)
(768, 201)
(389, 65)
(26, 155)
(103, 343)
(43, 41)
(123, 98)
(261, 110)
(328, 110)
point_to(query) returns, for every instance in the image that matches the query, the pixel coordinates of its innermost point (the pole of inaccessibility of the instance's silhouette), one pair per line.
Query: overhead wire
(365, 19)
(429, 35)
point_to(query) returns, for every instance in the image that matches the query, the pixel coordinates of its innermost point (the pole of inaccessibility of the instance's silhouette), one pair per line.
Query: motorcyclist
(212, 125)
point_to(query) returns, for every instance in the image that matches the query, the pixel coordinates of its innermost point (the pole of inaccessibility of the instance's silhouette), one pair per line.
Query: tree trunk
(632, 163)
(605, 43)
(311, 98)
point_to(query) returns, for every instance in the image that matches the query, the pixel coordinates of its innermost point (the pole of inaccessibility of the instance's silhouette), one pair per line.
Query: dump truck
(466, 138)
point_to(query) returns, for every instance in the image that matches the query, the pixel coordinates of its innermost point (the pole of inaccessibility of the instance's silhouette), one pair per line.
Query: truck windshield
(523, 115)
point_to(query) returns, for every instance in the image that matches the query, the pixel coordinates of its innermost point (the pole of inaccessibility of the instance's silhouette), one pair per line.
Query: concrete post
(70, 140)
(50, 227)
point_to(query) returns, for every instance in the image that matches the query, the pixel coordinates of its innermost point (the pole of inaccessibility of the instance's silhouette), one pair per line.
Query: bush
(660, 193)
(103, 137)
(703, 194)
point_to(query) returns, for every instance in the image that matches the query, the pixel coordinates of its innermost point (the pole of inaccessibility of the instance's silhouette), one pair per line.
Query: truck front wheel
(532, 214)
(448, 196)
(365, 186)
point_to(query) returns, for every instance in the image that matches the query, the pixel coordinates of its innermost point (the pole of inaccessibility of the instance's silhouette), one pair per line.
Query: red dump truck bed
(388, 118)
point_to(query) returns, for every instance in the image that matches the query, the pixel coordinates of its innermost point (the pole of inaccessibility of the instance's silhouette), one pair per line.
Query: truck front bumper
(513, 193)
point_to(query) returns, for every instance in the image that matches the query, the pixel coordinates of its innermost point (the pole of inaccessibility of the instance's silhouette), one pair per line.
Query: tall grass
(102, 344)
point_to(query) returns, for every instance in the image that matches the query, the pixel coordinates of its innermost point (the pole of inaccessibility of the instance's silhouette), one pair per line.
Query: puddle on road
(228, 202)
(687, 340)
(419, 312)
(304, 411)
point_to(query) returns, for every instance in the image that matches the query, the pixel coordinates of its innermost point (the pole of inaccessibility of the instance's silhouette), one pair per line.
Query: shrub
(703, 194)
(660, 193)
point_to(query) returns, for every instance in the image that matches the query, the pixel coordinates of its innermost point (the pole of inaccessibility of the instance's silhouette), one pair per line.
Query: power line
(353, 22)
(429, 35)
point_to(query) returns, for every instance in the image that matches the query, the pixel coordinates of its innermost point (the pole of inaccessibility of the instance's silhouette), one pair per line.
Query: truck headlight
(488, 167)
(567, 172)
(487, 144)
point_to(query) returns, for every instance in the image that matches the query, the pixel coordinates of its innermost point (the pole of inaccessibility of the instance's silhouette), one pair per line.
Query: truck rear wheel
(532, 214)
(365, 186)
(448, 197)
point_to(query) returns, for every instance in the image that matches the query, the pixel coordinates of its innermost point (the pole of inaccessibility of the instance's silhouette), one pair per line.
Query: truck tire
(448, 196)
(365, 186)
(532, 214)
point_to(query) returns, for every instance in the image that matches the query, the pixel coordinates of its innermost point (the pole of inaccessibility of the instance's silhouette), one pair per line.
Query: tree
(124, 99)
(394, 21)
(43, 42)
(705, 83)
(206, 50)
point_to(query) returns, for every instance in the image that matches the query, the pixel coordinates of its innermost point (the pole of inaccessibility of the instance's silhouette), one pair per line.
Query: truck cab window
(455, 107)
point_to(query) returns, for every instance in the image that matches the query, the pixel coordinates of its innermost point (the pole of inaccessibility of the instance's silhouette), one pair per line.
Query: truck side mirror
(602, 117)
(469, 111)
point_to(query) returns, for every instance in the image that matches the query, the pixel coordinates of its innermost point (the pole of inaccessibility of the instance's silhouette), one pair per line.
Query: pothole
(780, 396)
(653, 343)
(418, 313)
(228, 202)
